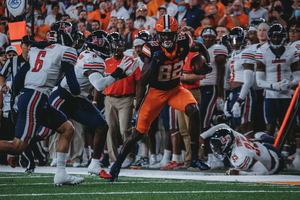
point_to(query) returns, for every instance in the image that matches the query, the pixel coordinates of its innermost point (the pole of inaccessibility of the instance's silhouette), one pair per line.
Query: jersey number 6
(39, 63)
(170, 72)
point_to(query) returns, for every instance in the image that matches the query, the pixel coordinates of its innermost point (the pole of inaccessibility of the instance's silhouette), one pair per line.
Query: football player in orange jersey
(162, 69)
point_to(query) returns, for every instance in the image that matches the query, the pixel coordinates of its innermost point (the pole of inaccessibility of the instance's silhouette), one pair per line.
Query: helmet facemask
(167, 39)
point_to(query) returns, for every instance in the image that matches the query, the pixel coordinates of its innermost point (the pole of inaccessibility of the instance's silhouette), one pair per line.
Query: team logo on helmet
(65, 28)
(98, 41)
(225, 139)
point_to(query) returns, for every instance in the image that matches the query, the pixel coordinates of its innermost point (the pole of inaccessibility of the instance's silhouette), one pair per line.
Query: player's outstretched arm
(71, 78)
(256, 168)
(213, 129)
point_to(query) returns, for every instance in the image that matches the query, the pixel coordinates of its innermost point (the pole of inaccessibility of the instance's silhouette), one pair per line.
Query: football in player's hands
(199, 65)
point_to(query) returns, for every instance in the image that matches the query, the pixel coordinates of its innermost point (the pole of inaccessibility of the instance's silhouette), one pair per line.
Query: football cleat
(63, 178)
(142, 162)
(127, 162)
(94, 169)
(54, 162)
(12, 161)
(114, 172)
(198, 163)
(104, 174)
(29, 170)
(173, 165)
(23, 162)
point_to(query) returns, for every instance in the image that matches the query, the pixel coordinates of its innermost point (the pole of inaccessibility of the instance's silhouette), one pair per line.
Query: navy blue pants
(79, 109)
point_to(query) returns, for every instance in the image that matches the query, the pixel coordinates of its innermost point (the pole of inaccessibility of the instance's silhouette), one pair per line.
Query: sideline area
(185, 175)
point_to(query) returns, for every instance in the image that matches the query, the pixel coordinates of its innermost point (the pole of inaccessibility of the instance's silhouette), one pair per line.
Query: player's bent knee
(67, 129)
(192, 111)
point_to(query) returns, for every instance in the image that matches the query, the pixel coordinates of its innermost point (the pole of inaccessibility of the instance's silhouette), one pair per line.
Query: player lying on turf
(162, 69)
(248, 158)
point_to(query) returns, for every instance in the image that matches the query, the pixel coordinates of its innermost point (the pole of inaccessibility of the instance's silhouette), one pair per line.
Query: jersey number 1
(39, 63)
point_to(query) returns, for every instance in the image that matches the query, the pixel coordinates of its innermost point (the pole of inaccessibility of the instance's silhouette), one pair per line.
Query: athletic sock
(95, 162)
(61, 161)
(194, 149)
(176, 158)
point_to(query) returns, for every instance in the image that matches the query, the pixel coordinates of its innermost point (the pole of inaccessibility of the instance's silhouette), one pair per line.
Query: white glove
(283, 85)
(220, 104)
(236, 109)
(125, 63)
(132, 68)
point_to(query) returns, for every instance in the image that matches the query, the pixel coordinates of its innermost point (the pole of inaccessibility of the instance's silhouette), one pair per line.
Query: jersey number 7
(39, 63)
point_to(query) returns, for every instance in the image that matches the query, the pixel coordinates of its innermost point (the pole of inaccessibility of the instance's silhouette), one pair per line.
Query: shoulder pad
(153, 43)
(181, 36)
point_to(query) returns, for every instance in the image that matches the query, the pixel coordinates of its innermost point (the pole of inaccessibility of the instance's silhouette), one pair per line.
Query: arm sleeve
(100, 82)
(71, 77)
(220, 50)
(261, 80)
(248, 82)
(213, 129)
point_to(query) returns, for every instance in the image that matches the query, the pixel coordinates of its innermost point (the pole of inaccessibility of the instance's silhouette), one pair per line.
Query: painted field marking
(145, 192)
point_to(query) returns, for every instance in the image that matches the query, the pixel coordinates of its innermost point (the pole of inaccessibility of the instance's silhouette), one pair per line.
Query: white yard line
(146, 192)
(184, 175)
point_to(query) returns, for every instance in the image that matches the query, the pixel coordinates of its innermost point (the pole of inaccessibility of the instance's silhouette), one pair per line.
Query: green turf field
(40, 186)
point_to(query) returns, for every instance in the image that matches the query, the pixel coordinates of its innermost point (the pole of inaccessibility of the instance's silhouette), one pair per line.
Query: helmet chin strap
(62, 40)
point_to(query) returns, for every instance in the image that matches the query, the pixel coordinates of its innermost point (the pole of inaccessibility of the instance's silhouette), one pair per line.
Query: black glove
(207, 68)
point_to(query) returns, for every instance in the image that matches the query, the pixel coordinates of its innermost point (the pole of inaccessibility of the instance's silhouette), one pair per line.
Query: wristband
(118, 72)
(184, 77)
(225, 15)
(94, 102)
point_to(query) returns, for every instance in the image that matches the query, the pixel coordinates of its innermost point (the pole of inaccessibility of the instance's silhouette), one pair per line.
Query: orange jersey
(243, 18)
(124, 86)
(105, 21)
(94, 15)
(153, 6)
(42, 29)
(188, 68)
(221, 8)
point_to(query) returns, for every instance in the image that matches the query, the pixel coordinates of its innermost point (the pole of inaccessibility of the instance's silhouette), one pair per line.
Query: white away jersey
(236, 64)
(245, 151)
(295, 45)
(277, 69)
(215, 50)
(87, 60)
(45, 66)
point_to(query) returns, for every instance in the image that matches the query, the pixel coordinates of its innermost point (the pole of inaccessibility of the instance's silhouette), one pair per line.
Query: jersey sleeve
(241, 160)
(248, 56)
(259, 55)
(220, 50)
(191, 41)
(5, 71)
(93, 62)
(147, 50)
(296, 56)
(70, 56)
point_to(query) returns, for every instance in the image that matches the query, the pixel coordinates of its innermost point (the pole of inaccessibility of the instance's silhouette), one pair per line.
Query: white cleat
(61, 179)
(54, 162)
(127, 162)
(154, 165)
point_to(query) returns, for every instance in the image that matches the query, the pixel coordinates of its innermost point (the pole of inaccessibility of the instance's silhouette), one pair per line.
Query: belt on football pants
(120, 96)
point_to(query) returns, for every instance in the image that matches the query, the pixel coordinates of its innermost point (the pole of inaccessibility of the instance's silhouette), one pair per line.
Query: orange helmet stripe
(166, 23)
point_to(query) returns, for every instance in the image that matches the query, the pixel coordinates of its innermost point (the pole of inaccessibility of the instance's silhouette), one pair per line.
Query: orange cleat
(173, 165)
(12, 161)
(105, 175)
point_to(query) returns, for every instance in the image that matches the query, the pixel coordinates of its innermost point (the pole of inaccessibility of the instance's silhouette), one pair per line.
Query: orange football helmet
(167, 31)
